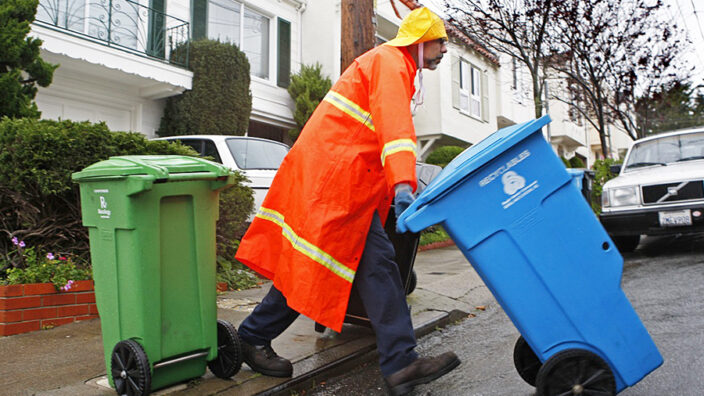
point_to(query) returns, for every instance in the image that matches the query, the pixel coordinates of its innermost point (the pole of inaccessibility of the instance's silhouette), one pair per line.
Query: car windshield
(666, 150)
(257, 154)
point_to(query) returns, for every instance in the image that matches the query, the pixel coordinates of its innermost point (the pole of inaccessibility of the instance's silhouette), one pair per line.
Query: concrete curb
(349, 362)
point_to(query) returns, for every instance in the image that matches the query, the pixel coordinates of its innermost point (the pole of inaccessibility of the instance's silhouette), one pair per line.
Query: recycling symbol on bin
(512, 182)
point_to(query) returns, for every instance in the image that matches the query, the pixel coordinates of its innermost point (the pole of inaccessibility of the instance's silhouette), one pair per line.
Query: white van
(258, 159)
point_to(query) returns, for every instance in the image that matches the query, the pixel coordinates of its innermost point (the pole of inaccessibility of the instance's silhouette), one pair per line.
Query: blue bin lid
(472, 159)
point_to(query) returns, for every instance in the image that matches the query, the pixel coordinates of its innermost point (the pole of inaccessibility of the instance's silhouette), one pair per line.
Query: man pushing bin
(320, 229)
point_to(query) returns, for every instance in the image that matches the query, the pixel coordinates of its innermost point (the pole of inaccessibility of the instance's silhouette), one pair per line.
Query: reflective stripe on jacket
(309, 234)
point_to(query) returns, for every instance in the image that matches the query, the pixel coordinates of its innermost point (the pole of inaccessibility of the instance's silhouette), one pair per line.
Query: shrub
(433, 234)
(220, 101)
(602, 174)
(236, 204)
(308, 87)
(443, 155)
(576, 162)
(235, 274)
(38, 201)
(40, 204)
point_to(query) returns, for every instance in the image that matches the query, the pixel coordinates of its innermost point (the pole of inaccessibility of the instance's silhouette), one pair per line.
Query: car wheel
(626, 243)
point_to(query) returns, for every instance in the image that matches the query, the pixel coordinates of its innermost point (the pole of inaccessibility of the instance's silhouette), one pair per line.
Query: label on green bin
(103, 210)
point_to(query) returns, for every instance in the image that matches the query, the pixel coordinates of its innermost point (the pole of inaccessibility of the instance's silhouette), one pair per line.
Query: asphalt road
(664, 280)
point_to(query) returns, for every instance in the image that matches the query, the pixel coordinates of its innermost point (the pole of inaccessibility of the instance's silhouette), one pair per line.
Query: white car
(659, 189)
(258, 159)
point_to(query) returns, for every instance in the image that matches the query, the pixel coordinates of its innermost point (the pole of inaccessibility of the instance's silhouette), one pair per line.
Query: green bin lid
(158, 166)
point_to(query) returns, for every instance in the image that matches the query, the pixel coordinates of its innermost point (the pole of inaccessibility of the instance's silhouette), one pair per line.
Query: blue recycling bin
(516, 214)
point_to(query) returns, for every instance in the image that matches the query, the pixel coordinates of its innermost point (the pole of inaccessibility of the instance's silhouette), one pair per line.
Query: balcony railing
(122, 24)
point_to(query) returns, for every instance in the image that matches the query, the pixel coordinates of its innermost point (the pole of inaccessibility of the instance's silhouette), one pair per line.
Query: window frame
(470, 89)
(272, 39)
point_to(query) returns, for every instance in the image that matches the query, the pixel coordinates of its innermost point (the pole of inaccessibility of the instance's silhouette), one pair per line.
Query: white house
(117, 65)
(116, 62)
(460, 106)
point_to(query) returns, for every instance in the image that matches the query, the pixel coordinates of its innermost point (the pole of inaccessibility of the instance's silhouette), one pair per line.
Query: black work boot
(421, 371)
(263, 359)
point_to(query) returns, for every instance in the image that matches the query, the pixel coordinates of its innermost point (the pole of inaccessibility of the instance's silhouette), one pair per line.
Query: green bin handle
(197, 166)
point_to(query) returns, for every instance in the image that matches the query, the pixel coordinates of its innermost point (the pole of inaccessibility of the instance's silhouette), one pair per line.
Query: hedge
(220, 101)
(40, 205)
(443, 155)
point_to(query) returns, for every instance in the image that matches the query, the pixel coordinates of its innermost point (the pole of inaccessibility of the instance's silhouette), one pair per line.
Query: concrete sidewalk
(68, 360)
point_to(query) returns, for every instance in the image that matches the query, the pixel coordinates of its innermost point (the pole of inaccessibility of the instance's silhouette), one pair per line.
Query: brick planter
(436, 245)
(35, 306)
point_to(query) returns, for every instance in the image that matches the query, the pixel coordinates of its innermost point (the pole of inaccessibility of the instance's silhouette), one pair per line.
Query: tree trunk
(357, 30)
(537, 97)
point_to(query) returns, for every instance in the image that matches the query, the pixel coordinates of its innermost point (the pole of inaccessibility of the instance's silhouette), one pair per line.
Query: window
(203, 147)
(257, 154)
(470, 90)
(234, 22)
(256, 42)
(224, 21)
(666, 150)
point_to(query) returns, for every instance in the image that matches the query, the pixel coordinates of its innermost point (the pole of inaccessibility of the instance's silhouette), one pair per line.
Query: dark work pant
(380, 287)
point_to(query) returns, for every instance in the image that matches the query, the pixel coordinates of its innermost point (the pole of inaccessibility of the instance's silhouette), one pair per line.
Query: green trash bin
(151, 222)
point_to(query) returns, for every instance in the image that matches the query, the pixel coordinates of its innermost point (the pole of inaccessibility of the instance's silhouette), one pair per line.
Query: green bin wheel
(526, 362)
(575, 372)
(130, 369)
(229, 359)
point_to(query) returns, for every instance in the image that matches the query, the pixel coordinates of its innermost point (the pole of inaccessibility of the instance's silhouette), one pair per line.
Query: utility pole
(357, 30)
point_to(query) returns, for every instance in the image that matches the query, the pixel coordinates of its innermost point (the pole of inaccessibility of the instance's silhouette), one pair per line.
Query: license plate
(675, 218)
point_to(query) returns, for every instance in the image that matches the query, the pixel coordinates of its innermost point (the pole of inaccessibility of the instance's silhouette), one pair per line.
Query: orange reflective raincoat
(360, 142)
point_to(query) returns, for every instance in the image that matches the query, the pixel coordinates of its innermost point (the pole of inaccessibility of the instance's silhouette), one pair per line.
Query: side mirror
(615, 169)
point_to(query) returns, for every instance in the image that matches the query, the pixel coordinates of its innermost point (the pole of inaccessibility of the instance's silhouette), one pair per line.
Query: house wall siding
(81, 97)
(321, 31)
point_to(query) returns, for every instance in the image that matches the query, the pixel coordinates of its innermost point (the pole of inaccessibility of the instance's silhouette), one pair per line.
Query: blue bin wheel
(229, 359)
(526, 362)
(130, 369)
(575, 372)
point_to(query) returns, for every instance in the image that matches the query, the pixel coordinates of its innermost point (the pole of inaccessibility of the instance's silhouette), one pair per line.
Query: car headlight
(621, 196)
